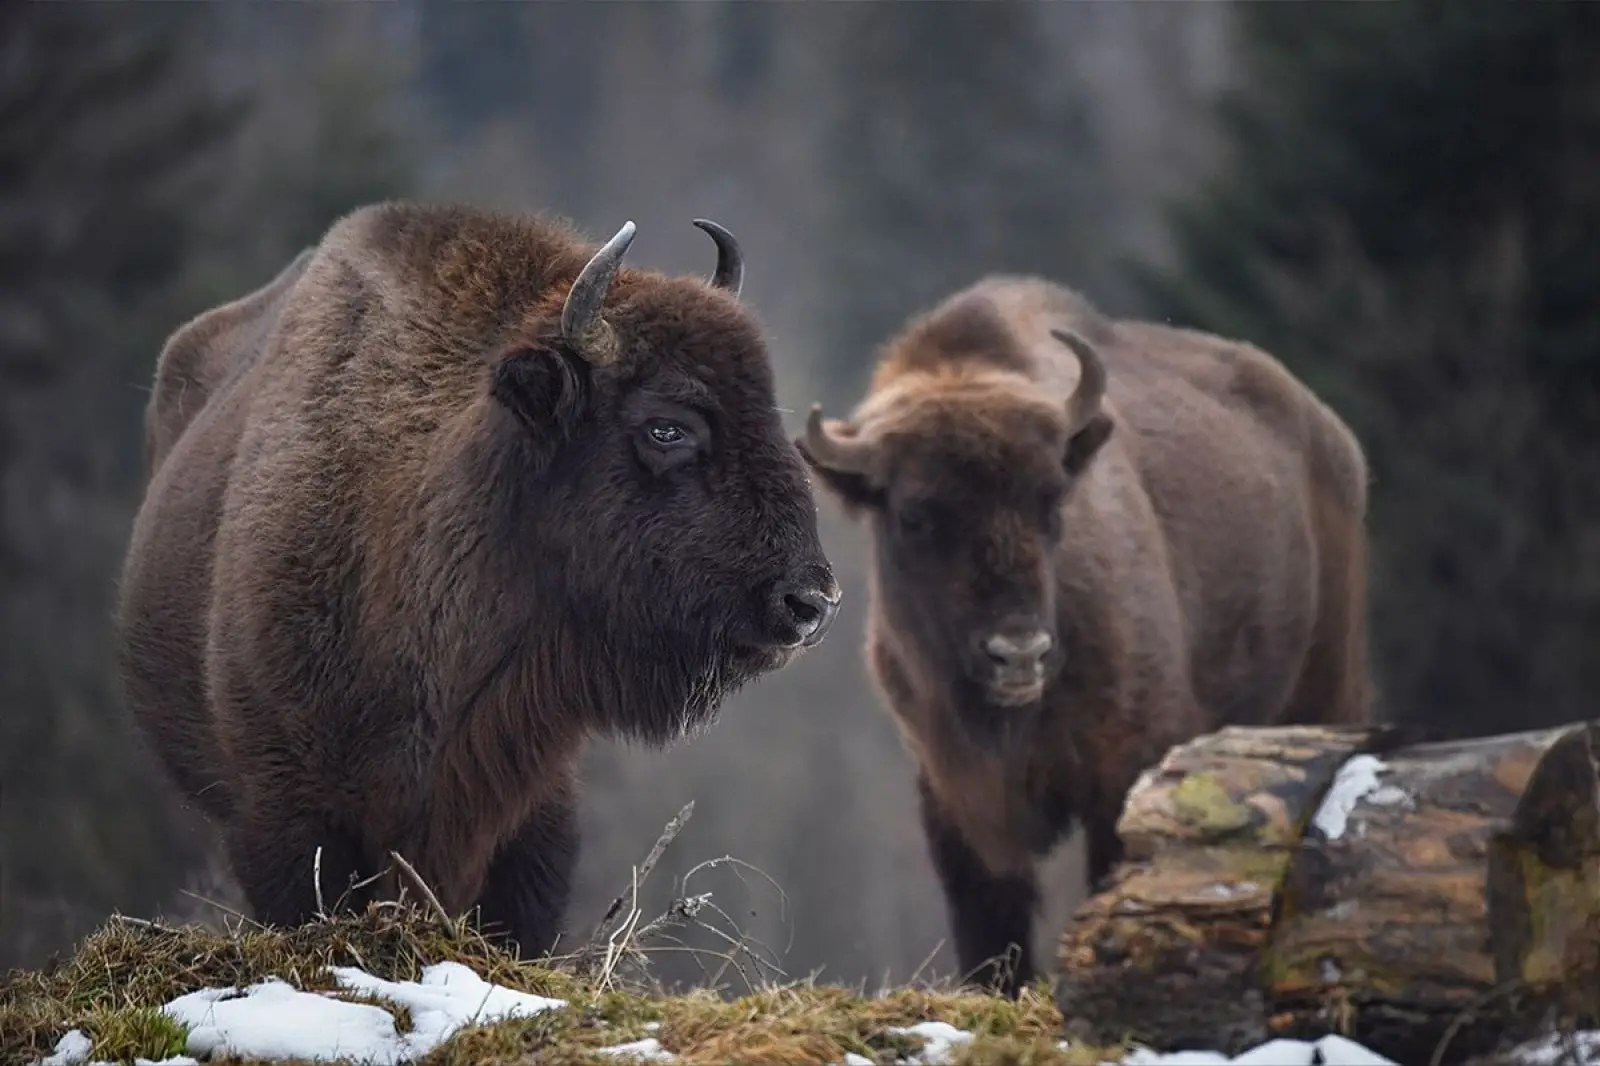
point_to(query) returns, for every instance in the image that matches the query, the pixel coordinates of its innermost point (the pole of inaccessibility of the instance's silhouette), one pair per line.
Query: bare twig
(737, 865)
(221, 907)
(917, 973)
(140, 923)
(668, 835)
(424, 891)
(680, 912)
(624, 937)
(1468, 1015)
(357, 885)
(316, 882)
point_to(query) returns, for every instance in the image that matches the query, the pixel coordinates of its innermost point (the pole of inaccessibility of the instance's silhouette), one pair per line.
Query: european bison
(1093, 540)
(451, 493)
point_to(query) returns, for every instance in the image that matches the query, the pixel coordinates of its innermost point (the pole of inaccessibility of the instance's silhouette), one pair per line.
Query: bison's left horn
(1085, 402)
(730, 261)
(580, 315)
(840, 454)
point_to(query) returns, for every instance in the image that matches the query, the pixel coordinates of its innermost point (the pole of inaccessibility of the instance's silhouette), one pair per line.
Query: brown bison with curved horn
(1093, 540)
(449, 495)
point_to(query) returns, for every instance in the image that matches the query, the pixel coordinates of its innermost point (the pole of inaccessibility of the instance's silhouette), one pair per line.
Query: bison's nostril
(806, 615)
(810, 611)
(1020, 650)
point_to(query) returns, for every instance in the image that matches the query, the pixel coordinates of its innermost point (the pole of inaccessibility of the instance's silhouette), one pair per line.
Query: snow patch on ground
(1335, 1051)
(273, 1020)
(941, 1039)
(1552, 1050)
(70, 1049)
(73, 1050)
(647, 1050)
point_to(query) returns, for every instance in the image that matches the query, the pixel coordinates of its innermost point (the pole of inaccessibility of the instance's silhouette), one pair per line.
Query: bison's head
(966, 478)
(677, 533)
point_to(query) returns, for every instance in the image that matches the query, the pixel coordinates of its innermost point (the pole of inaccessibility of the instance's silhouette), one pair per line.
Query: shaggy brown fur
(1188, 551)
(407, 539)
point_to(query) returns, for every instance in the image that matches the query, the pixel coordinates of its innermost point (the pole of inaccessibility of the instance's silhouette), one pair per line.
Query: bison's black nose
(1019, 650)
(802, 613)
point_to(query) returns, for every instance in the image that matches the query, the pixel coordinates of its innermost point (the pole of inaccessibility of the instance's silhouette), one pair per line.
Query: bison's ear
(852, 491)
(547, 391)
(1086, 442)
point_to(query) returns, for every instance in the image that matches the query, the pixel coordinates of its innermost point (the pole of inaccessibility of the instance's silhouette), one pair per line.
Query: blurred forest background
(1401, 201)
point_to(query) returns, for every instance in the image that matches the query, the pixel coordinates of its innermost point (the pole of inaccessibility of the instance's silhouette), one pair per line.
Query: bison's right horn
(1085, 401)
(730, 261)
(840, 454)
(580, 315)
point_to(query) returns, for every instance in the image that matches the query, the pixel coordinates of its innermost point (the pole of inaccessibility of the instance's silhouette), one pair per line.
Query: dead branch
(602, 929)
(316, 882)
(416, 881)
(221, 907)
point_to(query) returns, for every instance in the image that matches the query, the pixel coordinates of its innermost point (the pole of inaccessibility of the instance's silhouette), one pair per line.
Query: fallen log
(1428, 900)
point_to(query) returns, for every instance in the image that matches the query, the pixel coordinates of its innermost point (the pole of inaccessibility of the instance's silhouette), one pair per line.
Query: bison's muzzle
(799, 613)
(1013, 662)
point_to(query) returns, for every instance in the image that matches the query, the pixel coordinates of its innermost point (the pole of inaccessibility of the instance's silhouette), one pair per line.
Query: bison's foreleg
(1102, 845)
(525, 896)
(991, 916)
(274, 855)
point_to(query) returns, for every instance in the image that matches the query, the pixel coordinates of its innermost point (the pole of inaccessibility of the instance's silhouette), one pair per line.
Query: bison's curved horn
(839, 454)
(730, 261)
(1085, 401)
(581, 313)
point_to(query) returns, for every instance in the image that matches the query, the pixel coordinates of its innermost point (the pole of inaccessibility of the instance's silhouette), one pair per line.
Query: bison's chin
(1013, 695)
(1001, 721)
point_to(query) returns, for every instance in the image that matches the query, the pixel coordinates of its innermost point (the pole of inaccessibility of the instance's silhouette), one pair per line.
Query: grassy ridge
(119, 977)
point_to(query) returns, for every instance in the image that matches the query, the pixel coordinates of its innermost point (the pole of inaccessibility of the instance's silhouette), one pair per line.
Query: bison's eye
(669, 440)
(919, 520)
(1050, 514)
(1052, 521)
(667, 434)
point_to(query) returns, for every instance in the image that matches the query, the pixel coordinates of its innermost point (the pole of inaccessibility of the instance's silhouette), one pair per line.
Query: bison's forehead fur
(698, 334)
(476, 283)
(965, 435)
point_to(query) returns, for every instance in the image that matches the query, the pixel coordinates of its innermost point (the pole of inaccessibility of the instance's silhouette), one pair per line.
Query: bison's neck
(1003, 798)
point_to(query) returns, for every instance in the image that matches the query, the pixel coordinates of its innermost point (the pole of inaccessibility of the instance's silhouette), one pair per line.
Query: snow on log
(1282, 882)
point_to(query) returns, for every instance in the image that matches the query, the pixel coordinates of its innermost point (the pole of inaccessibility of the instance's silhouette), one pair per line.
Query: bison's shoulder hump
(204, 353)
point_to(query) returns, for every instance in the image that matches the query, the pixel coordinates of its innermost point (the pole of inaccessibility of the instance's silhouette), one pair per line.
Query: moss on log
(1291, 881)
(1169, 950)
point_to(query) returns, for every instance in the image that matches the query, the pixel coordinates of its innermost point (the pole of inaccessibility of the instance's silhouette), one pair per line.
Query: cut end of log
(1544, 878)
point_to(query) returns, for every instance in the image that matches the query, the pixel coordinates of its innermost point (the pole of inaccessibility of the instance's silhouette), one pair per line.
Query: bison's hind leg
(529, 884)
(1336, 684)
(275, 858)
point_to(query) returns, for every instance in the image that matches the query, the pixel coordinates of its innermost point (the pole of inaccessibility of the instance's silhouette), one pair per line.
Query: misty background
(1400, 201)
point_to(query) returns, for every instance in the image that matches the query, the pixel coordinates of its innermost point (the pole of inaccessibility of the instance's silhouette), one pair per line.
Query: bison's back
(193, 424)
(1259, 388)
(1261, 493)
(1166, 374)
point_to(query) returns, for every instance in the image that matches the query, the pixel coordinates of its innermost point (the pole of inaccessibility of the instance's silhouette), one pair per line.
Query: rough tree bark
(1430, 900)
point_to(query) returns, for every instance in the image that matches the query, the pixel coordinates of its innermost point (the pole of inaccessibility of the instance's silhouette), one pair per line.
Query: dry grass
(112, 987)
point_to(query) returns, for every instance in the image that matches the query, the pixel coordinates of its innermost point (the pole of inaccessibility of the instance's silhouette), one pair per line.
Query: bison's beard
(1002, 729)
(667, 685)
